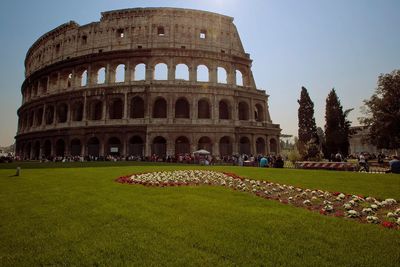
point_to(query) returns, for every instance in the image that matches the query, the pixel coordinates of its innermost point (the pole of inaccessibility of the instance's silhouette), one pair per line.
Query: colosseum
(142, 82)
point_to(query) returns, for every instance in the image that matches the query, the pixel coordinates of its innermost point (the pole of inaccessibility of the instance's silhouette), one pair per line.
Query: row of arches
(98, 74)
(114, 109)
(136, 146)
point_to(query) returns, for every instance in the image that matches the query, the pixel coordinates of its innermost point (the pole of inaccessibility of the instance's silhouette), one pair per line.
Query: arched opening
(120, 73)
(53, 82)
(101, 75)
(39, 116)
(160, 108)
(114, 146)
(182, 145)
(225, 146)
(47, 149)
(36, 150)
(239, 78)
(62, 113)
(224, 113)
(76, 147)
(259, 113)
(136, 146)
(139, 73)
(222, 76)
(77, 111)
(260, 146)
(60, 148)
(205, 143)
(244, 146)
(116, 109)
(243, 111)
(203, 109)
(28, 149)
(161, 71)
(84, 78)
(43, 85)
(31, 118)
(159, 146)
(93, 147)
(182, 108)
(182, 72)
(69, 80)
(49, 115)
(273, 146)
(137, 107)
(203, 73)
(96, 110)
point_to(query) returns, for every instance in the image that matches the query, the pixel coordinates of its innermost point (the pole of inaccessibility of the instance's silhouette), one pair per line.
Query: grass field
(79, 216)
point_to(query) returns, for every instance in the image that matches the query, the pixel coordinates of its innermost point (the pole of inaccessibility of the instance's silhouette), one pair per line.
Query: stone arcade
(98, 89)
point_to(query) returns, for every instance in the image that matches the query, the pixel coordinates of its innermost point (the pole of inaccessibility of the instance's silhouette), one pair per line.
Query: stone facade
(97, 89)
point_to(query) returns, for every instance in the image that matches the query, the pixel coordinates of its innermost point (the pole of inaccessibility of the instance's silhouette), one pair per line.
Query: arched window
(93, 147)
(244, 147)
(273, 146)
(84, 78)
(260, 146)
(77, 111)
(116, 109)
(136, 146)
(224, 113)
(203, 73)
(76, 147)
(182, 108)
(49, 115)
(36, 150)
(159, 146)
(60, 148)
(259, 113)
(182, 72)
(221, 74)
(114, 146)
(62, 113)
(239, 78)
(160, 108)
(161, 71)
(47, 149)
(182, 145)
(243, 111)
(137, 107)
(39, 116)
(101, 75)
(205, 143)
(96, 110)
(120, 73)
(203, 109)
(225, 146)
(139, 73)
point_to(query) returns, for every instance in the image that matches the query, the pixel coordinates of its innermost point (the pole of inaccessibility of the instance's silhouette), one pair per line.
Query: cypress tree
(337, 127)
(308, 137)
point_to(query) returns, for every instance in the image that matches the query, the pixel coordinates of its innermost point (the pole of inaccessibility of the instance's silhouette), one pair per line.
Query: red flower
(388, 224)
(323, 212)
(338, 214)
(336, 194)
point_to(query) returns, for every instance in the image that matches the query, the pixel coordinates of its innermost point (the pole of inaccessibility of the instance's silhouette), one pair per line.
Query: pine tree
(308, 138)
(337, 127)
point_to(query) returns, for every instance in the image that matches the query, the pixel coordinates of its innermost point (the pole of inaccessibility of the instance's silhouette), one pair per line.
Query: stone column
(128, 72)
(253, 145)
(193, 73)
(84, 107)
(44, 116)
(104, 115)
(171, 72)
(125, 105)
(213, 74)
(251, 110)
(149, 73)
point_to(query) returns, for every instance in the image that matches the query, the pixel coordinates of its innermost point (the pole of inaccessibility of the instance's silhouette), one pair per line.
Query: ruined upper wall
(137, 28)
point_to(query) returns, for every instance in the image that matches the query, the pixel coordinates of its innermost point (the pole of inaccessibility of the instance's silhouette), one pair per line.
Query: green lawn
(80, 216)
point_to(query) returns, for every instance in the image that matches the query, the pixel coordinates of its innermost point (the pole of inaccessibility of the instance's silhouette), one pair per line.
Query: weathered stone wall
(82, 83)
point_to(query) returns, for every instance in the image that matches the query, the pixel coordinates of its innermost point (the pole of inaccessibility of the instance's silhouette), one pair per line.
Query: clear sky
(319, 44)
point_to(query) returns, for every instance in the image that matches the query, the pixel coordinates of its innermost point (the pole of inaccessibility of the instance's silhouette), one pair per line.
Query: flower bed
(360, 208)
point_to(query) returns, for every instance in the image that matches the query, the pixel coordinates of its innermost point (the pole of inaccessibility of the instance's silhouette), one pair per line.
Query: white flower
(352, 214)
(397, 211)
(372, 219)
(390, 215)
(341, 196)
(374, 206)
(328, 208)
(398, 221)
(390, 201)
(367, 211)
(347, 206)
(307, 202)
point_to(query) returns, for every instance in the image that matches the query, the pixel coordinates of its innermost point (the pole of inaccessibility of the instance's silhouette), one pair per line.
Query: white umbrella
(202, 152)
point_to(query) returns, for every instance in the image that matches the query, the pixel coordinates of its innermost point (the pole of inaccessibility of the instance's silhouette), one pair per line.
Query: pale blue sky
(318, 44)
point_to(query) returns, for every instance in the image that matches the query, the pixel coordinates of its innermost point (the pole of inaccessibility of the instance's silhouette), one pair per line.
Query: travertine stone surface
(99, 89)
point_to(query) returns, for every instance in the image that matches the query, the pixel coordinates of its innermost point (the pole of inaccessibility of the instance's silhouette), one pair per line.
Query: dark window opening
(137, 107)
(160, 31)
(120, 33)
(84, 39)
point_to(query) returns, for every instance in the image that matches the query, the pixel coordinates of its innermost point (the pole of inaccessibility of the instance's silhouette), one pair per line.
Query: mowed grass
(80, 216)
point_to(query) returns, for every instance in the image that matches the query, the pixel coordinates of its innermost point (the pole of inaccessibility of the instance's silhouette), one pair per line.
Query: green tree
(383, 112)
(337, 127)
(308, 142)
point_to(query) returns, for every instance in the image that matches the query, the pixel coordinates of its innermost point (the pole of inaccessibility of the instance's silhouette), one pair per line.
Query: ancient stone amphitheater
(143, 81)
